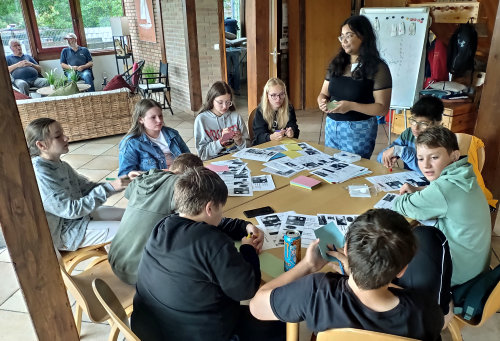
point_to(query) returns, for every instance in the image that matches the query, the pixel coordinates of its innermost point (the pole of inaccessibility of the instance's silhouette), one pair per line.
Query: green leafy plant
(60, 82)
(73, 76)
(51, 77)
(148, 71)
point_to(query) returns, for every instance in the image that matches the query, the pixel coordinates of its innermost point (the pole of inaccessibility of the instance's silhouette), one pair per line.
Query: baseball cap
(70, 36)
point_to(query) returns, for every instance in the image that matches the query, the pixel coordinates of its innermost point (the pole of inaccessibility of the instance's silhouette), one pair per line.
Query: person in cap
(24, 70)
(77, 58)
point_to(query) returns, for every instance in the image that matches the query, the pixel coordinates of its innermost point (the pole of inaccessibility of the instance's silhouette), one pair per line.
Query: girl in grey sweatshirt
(71, 202)
(218, 129)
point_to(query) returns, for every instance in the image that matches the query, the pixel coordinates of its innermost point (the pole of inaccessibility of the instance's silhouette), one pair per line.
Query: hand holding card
(331, 105)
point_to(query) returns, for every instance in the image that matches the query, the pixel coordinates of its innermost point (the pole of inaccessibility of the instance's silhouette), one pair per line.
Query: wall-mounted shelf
(452, 12)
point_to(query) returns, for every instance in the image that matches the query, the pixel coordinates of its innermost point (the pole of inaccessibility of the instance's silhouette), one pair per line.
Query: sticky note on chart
(292, 154)
(329, 234)
(287, 140)
(217, 168)
(293, 146)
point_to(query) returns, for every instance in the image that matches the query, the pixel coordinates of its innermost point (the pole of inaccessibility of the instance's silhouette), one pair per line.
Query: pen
(250, 234)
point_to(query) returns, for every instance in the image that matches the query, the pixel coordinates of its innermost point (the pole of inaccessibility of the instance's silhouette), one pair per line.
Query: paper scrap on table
(327, 235)
(359, 191)
(386, 201)
(292, 154)
(287, 140)
(293, 146)
(217, 168)
(263, 183)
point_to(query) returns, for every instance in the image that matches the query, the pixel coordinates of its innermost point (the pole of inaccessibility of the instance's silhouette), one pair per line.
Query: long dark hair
(219, 88)
(141, 108)
(369, 56)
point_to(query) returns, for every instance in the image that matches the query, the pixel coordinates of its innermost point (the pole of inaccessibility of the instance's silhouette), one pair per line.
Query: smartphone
(258, 211)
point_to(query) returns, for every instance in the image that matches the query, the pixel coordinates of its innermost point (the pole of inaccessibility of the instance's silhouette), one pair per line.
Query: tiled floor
(98, 159)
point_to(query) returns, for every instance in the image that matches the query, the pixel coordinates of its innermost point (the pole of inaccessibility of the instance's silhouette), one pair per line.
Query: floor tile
(95, 332)
(8, 284)
(113, 151)
(15, 303)
(115, 139)
(16, 326)
(73, 146)
(112, 200)
(94, 148)
(489, 331)
(5, 256)
(173, 124)
(186, 133)
(185, 125)
(77, 160)
(107, 162)
(190, 143)
(122, 203)
(193, 150)
(93, 174)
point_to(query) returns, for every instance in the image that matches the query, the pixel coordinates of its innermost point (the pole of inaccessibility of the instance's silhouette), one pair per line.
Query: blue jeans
(87, 76)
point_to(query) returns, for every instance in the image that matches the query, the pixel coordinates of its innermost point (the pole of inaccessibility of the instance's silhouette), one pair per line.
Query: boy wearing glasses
(427, 112)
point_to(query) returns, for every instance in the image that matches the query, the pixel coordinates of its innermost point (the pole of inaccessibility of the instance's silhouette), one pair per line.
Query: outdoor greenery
(55, 13)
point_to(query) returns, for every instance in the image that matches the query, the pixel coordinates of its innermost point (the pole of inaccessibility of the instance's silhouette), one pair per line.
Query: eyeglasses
(227, 103)
(275, 96)
(348, 36)
(424, 125)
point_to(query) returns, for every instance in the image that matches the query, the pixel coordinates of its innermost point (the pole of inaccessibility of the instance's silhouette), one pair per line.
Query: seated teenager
(191, 277)
(379, 246)
(150, 198)
(453, 198)
(72, 203)
(149, 143)
(275, 117)
(427, 112)
(218, 128)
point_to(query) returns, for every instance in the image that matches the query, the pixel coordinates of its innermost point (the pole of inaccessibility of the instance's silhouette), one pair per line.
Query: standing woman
(149, 144)
(275, 117)
(360, 81)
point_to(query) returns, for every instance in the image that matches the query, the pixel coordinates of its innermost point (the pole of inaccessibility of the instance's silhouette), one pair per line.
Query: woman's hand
(238, 137)
(277, 135)
(342, 107)
(388, 158)
(256, 237)
(407, 188)
(134, 174)
(322, 105)
(289, 132)
(120, 183)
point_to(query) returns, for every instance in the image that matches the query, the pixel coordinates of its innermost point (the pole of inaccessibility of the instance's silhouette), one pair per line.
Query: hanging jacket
(475, 145)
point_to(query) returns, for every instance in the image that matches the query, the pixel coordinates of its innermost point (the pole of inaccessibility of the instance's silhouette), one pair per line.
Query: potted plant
(51, 78)
(73, 76)
(150, 74)
(59, 82)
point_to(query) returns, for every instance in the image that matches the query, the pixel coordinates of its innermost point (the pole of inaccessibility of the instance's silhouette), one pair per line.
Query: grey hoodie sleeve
(206, 147)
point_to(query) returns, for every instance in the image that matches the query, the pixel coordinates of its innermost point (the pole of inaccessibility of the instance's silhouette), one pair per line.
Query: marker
(340, 263)
(110, 179)
(250, 234)
(390, 169)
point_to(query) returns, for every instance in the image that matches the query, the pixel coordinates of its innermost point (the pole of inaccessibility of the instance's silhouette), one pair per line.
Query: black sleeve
(292, 121)
(260, 128)
(291, 302)
(238, 274)
(234, 228)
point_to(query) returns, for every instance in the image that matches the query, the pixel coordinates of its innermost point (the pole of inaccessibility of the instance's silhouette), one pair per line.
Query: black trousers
(430, 269)
(249, 328)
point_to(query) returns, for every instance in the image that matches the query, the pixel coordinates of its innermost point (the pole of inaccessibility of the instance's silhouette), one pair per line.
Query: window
(12, 26)
(48, 21)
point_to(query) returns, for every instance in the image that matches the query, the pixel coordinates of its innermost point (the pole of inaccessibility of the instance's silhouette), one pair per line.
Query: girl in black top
(360, 83)
(275, 117)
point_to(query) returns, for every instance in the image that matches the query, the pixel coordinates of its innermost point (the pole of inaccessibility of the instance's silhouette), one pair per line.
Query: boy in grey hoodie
(218, 129)
(150, 198)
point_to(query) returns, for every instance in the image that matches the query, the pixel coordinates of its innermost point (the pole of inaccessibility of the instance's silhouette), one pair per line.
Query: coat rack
(452, 12)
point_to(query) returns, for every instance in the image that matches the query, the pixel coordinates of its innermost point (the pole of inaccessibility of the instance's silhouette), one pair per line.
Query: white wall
(103, 66)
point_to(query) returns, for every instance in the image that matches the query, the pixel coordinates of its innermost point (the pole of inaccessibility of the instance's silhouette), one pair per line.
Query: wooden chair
(250, 123)
(118, 316)
(133, 75)
(80, 287)
(464, 141)
(156, 82)
(351, 334)
(71, 259)
(491, 306)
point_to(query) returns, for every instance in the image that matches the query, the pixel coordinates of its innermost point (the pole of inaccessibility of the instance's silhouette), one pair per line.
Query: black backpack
(462, 49)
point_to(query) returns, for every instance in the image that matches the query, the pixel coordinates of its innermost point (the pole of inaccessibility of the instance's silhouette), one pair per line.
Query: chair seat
(153, 87)
(124, 292)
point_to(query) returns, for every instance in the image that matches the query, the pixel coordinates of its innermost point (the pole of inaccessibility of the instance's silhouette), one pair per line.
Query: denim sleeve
(128, 158)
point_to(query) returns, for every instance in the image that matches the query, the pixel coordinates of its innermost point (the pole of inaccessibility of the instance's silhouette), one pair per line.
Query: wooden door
(273, 39)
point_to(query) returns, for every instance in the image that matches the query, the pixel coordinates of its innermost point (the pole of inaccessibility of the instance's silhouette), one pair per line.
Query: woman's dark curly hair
(369, 56)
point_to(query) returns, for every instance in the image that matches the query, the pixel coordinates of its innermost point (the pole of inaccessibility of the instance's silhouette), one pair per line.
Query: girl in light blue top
(149, 144)
(72, 203)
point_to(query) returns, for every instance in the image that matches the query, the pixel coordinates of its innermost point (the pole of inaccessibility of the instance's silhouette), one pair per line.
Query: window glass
(12, 25)
(96, 14)
(54, 21)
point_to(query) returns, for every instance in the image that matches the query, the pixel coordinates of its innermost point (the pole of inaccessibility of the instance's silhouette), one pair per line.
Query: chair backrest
(464, 141)
(133, 78)
(250, 123)
(164, 72)
(351, 334)
(492, 304)
(114, 308)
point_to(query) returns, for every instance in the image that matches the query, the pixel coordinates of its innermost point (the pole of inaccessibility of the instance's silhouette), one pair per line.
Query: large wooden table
(327, 198)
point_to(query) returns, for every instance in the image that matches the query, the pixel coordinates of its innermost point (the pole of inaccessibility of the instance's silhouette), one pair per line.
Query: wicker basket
(84, 116)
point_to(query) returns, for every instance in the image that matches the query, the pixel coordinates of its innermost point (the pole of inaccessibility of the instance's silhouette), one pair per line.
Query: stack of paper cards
(347, 157)
(359, 191)
(305, 182)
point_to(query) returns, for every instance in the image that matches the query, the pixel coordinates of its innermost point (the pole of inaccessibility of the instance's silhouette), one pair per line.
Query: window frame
(40, 53)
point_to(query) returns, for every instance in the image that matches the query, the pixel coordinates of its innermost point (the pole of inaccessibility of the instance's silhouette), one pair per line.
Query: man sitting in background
(24, 70)
(78, 58)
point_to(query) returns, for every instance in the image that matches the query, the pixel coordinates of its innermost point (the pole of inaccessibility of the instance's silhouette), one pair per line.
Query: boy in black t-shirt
(191, 276)
(379, 246)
